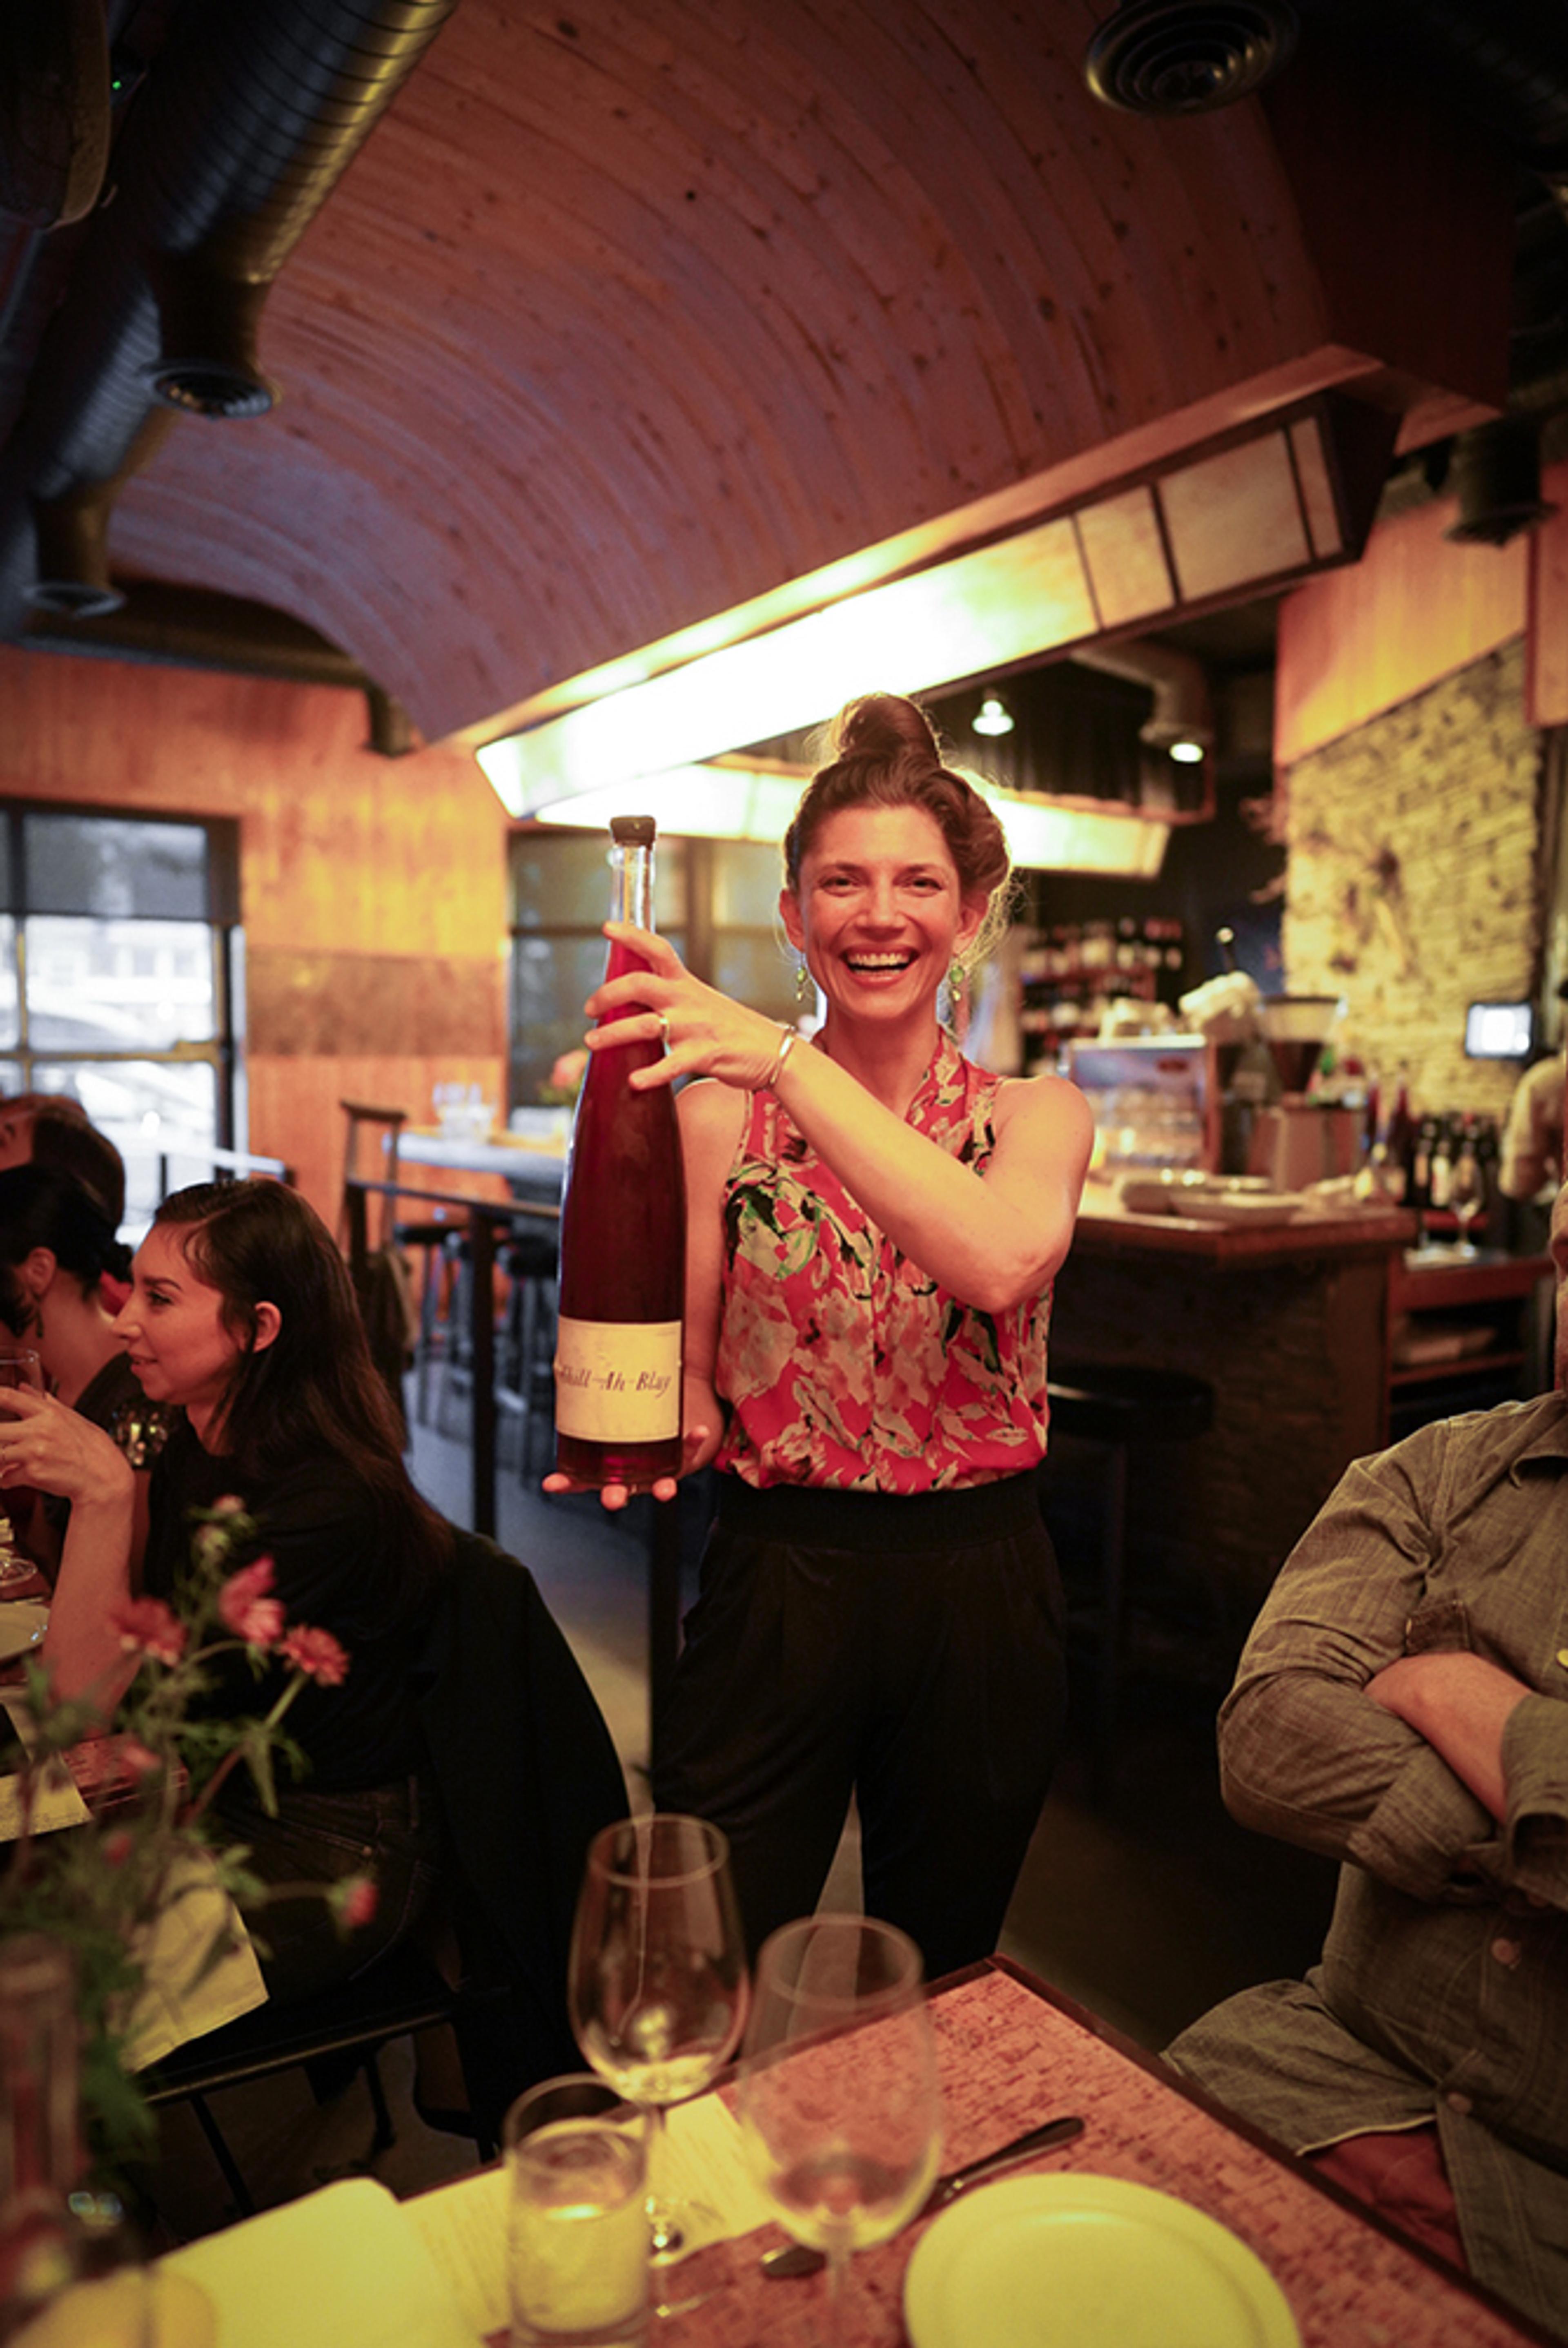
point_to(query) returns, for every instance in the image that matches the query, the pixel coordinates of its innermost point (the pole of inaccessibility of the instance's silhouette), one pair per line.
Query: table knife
(800, 2259)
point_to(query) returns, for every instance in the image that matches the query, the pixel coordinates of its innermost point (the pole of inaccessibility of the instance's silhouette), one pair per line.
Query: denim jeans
(386, 1831)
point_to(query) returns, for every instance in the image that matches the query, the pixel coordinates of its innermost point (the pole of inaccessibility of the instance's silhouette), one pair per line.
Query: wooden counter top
(1106, 1227)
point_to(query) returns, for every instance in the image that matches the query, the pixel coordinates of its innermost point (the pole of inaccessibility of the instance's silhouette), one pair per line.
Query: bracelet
(791, 1037)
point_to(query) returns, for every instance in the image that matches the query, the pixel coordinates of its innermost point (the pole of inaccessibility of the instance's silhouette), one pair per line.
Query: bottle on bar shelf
(622, 1240)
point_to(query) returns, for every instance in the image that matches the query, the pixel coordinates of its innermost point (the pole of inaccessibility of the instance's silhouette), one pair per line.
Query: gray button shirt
(1443, 1992)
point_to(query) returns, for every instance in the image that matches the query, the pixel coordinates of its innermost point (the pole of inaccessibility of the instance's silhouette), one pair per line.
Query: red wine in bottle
(622, 1240)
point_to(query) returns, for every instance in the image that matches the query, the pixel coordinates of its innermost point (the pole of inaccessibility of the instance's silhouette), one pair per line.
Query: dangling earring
(957, 976)
(804, 984)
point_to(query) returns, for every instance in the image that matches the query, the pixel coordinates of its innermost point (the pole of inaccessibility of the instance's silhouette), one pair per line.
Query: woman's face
(880, 911)
(172, 1328)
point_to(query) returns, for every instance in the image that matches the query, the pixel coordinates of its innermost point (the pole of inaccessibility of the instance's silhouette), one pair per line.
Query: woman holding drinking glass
(242, 1324)
(874, 1227)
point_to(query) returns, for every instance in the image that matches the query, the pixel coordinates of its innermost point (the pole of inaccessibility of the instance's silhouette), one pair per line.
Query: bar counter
(1289, 1323)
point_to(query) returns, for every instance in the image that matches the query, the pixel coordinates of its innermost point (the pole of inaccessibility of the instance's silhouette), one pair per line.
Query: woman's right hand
(45, 1444)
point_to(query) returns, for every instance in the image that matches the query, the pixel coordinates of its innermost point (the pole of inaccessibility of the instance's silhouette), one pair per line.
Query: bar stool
(435, 1241)
(531, 1262)
(1118, 1404)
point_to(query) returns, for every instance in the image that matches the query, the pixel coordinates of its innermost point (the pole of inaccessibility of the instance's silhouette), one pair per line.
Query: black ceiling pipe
(237, 136)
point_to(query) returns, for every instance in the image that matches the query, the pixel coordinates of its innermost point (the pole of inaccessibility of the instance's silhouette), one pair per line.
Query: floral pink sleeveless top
(843, 1364)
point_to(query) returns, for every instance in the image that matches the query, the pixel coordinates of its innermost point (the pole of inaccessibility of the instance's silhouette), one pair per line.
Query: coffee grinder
(1298, 1140)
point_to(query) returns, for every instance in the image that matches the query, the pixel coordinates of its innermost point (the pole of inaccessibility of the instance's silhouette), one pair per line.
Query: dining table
(351, 2267)
(186, 1990)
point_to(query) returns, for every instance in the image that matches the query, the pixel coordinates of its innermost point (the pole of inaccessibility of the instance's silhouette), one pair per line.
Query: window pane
(4, 863)
(747, 878)
(117, 986)
(10, 1031)
(10, 1077)
(551, 978)
(561, 881)
(752, 969)
(115, 867)
(147, 1107)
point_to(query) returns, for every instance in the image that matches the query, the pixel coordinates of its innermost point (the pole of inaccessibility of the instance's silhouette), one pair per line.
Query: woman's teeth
(879, 962)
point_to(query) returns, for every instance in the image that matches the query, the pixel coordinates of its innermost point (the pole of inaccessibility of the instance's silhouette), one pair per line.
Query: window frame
(222, 916)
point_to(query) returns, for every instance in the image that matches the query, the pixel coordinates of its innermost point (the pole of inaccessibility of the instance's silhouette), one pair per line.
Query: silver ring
(664, 1031)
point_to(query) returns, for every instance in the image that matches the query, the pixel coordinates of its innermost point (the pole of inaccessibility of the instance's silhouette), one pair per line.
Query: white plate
(1238, 1207)
(1077, 2261)
(23, 1623)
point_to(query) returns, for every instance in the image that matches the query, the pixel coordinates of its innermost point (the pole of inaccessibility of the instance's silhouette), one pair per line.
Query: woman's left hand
(48, 1446)
(703, 1032)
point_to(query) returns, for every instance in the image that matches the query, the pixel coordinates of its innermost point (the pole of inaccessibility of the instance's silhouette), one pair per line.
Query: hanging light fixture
(993, 717)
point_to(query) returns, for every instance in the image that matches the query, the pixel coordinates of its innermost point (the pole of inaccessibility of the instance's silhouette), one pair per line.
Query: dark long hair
(314, 1391)
(43, 1207)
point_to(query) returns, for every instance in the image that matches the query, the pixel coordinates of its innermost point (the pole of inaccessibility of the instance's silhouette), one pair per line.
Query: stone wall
(1411, 877)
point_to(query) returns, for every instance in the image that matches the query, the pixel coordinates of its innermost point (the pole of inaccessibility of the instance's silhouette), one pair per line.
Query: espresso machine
(1297, 1140)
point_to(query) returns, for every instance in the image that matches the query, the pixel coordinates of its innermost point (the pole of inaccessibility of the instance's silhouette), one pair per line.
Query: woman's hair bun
(883, 726)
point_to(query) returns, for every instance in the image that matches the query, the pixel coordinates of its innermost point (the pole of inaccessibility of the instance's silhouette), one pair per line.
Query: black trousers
(906, 1649)
(387, 1832)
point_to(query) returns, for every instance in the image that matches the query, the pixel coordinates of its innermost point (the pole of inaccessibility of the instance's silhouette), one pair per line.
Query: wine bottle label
(618, 1381)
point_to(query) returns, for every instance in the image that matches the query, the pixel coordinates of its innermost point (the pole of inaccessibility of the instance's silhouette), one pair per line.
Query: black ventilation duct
(1188, 56)
(244, 123)
(1494, 472)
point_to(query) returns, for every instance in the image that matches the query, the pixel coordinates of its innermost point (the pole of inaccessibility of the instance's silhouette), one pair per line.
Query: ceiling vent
(1187, 57)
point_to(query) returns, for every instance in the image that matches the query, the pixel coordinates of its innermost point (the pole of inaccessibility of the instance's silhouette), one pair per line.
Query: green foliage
(95, 1887)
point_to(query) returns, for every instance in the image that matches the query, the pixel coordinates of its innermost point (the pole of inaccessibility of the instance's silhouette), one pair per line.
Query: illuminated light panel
(738, 803)
(1188, 754)
(976, 613)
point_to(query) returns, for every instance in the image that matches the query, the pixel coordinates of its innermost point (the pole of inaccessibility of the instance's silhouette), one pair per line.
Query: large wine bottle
(622, 1240)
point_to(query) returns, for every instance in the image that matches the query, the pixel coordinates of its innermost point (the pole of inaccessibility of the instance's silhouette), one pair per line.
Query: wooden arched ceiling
(633, 309)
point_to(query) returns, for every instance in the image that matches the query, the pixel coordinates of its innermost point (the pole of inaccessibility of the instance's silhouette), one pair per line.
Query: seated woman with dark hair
(241, 1320)
(53, 1129)
(57, 1248)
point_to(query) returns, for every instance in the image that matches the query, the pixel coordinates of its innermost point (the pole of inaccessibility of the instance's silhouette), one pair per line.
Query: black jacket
(526, 1774)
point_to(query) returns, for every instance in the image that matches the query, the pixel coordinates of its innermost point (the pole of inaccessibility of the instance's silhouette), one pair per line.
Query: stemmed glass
(657, 1979)
(1466, 1196)
(19, 1366)
(839, 2107)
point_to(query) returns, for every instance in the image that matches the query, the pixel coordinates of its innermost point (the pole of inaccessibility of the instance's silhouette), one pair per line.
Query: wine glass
(657, 1979)
(19, 1366)
(839, 2106)
(1466, 1196)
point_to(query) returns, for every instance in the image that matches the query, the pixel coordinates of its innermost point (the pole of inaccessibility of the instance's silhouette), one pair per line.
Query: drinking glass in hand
(19, 1366)
(839, 2106)
(657, 1979)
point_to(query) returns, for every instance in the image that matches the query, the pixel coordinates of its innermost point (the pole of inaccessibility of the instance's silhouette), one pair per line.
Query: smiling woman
(874, 1227)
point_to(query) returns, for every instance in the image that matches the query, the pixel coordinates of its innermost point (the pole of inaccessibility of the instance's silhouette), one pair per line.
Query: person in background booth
(57, 1252)
(1402, 1705)
(241, 1321)
(874, 1227)
(52, 1129)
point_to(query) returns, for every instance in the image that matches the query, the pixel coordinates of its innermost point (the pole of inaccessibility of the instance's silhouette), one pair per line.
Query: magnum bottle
(622, 1240)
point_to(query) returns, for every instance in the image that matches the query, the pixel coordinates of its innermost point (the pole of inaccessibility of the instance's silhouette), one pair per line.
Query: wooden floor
(1149, 1904)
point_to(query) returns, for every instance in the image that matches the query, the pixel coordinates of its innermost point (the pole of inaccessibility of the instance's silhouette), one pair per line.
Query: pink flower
(116, 1847)
(145, 1627)
(244, 1608)
(353, 1901)
(316, 1653)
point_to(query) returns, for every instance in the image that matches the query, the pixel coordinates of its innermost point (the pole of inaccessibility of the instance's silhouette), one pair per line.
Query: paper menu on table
(343, 2268)
(55, 1801)
(463, 2225)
